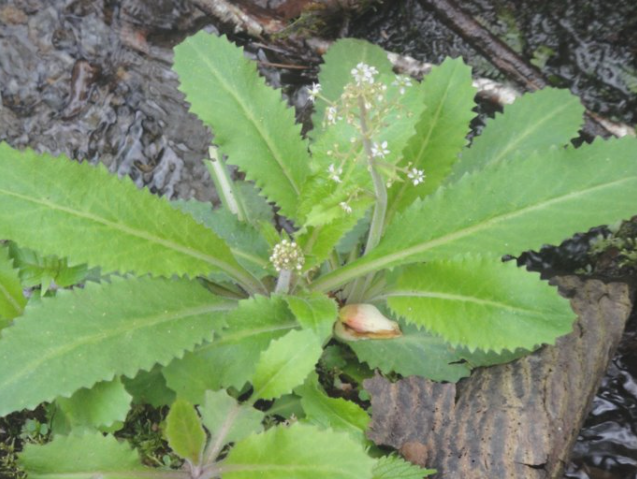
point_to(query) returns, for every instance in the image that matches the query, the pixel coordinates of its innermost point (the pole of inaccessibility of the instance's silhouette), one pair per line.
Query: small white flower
(416, 176)
(331, 115)
(380, 151)
(335, 173)
(364, 73)
(345, 207)
(314, 91)
(402, 82)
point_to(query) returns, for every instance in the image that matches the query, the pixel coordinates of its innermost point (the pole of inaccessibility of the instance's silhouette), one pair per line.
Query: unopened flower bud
(364, 321)
(287, 256)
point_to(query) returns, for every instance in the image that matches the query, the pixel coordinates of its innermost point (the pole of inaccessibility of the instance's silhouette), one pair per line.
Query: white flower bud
(287, 256)
(364, 321)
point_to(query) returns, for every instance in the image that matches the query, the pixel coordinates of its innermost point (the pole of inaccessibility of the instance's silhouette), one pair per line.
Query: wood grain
(518, 420)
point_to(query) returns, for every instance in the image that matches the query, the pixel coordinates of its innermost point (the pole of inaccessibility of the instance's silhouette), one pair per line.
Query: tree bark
(518, 420)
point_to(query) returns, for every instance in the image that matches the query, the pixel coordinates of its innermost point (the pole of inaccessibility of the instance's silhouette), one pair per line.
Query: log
(518, 420)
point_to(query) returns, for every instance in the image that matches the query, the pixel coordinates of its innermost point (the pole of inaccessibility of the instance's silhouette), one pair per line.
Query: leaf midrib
(333, 280)
(276, 154)
(11, 300)
(459, 297)
(126, 328)
(129, 231)
(424, 145)
(247, 333)
(528, 131)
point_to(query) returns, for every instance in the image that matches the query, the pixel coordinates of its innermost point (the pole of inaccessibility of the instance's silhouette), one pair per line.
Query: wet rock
(85, 79)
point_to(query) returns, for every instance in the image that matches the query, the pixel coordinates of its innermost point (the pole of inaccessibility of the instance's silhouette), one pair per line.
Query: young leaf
(415, 353)
(122, 228)
(83, 457)
(252, 124)
(38, 270)
(536, 121)
(246, 244)
(298, 452)
(441, 132)
(230, 360)
(184, 432)
(335, 73)
(110, 329)
(12, 301)
(149, 387)
(227, 421)
(481, 303)
(285, 364)
(394, 467)
(509, 208)
(191, 376)
(335, 413)
(318, 242)
(314, 311)
(100, 406)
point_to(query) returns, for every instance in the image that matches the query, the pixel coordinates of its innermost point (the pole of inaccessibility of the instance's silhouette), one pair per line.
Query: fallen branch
(263, 24)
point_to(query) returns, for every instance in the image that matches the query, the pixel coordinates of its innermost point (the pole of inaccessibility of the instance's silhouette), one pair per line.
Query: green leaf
(251, 123)
(536, 121)
(481, 303)
(298, 452)
(112, 329)
(287, 406)
(191, 376)
(335, 413)
(415, 353)
(36, 270)
(227, 420)
(319, 242)
(149, 387)
(509, 208)
(184, 432)
(12, 301)
(314, 311)
(230, 360)
(104, 404)
(246, 243)
(286, 363)
(122, 228)
(335, 72)
(394, 467)
(83, 457)
(419, 353)
(441, 132)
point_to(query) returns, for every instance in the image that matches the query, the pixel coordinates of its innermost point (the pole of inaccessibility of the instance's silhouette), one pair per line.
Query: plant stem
(225, 186)
(283, 283)
(216, 445)
(380, 208)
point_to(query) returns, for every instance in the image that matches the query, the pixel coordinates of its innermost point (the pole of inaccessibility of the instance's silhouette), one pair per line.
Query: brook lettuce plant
(391, 219)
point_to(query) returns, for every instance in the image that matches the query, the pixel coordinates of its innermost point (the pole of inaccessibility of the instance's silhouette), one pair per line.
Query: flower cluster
(288, 256)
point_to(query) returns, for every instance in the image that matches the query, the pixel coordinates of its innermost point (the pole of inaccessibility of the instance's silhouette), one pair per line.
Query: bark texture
(518, 420)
